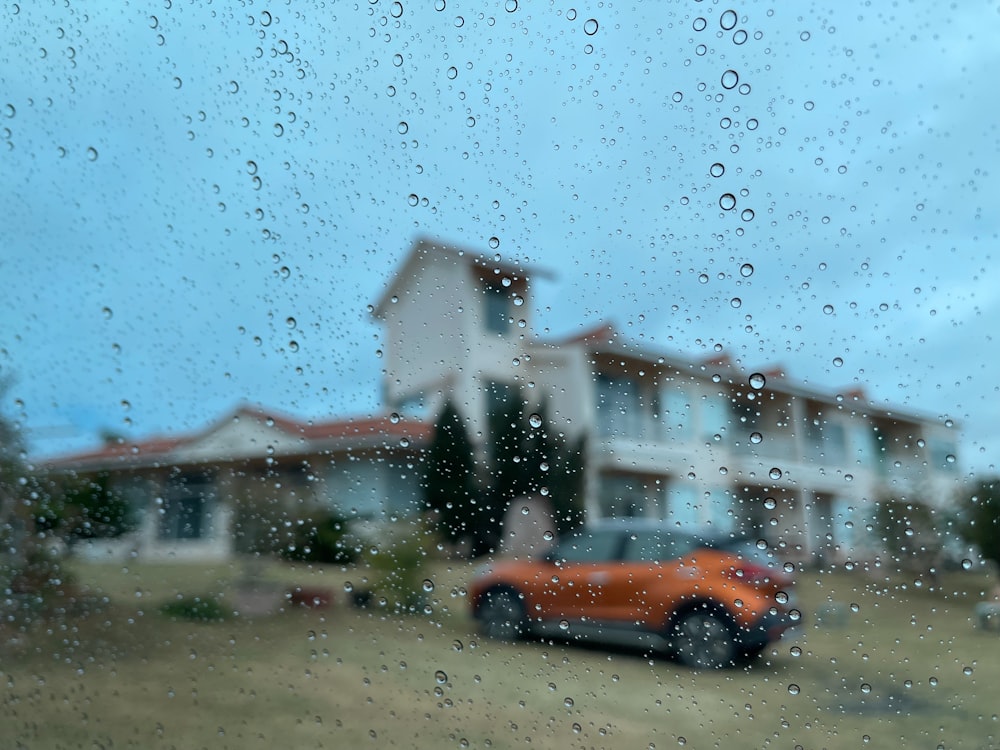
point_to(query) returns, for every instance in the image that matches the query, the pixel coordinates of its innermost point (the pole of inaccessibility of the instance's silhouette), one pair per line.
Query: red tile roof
(361, 431)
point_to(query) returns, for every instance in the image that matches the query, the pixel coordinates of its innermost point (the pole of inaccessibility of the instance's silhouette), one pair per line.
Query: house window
(714, 417)
(943, 455)
(623, 496)
(691, 508)
(185, 510)
(618, 406)
(676, 411)
(497, 309)
(415, 405)
(356, 487)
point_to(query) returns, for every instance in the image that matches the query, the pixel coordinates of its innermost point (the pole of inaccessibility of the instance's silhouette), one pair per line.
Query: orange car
(705, 601)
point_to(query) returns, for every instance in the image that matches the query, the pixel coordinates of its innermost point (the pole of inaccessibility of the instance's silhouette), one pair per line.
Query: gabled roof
(217, 443)
(425, 250)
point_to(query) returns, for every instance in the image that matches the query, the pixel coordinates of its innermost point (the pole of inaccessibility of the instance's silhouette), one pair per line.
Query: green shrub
(399, 566)
(322, 539)
(195, 609)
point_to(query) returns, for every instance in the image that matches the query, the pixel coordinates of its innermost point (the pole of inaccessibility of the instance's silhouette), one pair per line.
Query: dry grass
(129, 677)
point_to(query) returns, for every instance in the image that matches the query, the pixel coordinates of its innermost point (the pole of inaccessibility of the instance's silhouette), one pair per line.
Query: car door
(654, 575)
(584, 569)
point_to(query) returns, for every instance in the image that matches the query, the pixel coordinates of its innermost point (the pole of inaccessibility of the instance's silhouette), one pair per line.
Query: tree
(449, 478)
(92, 509)
(567, 479)
(531, 457)
(980, 514)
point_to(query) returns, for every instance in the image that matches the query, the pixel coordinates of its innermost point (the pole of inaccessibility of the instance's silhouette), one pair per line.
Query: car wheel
(703, 639)
(501, 615)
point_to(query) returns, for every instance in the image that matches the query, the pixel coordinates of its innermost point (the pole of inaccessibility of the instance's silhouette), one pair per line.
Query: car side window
(655, 546)
(591, 546)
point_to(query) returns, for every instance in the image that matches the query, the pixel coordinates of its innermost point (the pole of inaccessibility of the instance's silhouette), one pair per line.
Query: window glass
(597, 545)
(656, 546)
(724, 266)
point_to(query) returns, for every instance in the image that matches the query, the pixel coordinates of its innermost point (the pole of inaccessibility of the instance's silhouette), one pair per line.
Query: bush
(398, 564)
(195, 609)
(324, 539)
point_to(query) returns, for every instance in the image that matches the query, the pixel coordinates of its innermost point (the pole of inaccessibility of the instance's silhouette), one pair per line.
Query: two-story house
(702, 444)
(698, 443)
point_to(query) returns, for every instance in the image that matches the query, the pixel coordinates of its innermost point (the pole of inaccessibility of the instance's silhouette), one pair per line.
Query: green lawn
(906, 668)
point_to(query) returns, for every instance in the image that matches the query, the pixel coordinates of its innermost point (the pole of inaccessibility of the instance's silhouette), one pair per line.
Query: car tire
(501, 615)
(703, 638)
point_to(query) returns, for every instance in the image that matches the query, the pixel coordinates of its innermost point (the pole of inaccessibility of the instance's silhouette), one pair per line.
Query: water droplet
(933, 681)
(967, 671)
(428, 585)
(535, 420)
(746, 270)
(717, 169)
(866, 688)
(794, 689)
(809, 106)
(403, 128)
(92, 153)
(568, 702)
(440, 677)
(412, 199)
(770, 503)
(728, 20)
(838, 361)
(727, 201)
(804, 36)
(774, 473)
(564, 624)
(590, 26)
(756, 437)
(729, 79)
(747, 214)
(757, 380)
(761, 544)
(966, 564)
(795, 651)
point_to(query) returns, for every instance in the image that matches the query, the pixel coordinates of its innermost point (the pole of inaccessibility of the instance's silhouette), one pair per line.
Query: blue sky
(200, 203)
